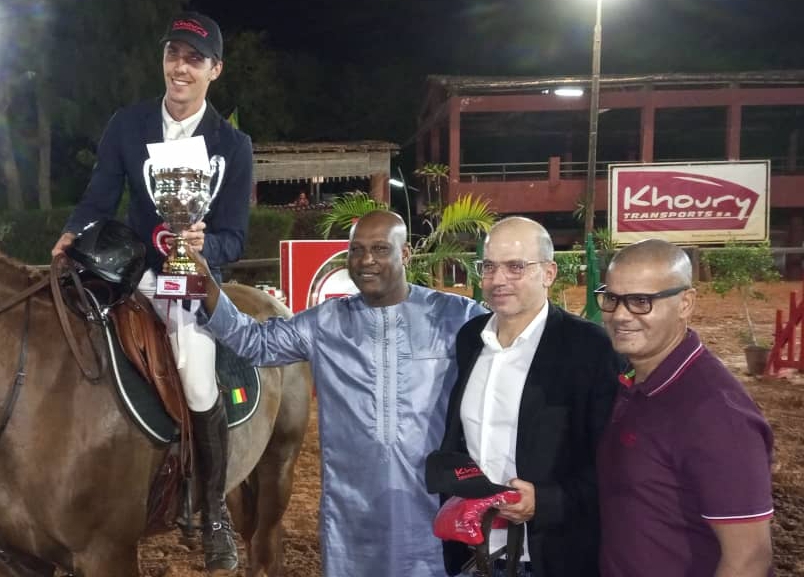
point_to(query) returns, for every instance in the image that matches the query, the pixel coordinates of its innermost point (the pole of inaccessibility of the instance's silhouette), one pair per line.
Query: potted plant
(737, 267)
(466, 216)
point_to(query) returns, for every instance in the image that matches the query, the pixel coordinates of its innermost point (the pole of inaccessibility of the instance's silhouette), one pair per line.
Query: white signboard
(689, 203)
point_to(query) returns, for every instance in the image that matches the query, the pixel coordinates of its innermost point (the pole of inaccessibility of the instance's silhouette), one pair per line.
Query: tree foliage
(250, 83)
(82, 59)
(462, 221)
(346, 210)
(350, 102)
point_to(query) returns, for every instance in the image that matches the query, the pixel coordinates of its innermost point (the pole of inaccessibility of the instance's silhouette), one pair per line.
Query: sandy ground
(720, 323)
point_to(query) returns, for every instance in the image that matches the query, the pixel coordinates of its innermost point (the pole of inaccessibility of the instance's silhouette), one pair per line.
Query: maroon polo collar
(671, 368)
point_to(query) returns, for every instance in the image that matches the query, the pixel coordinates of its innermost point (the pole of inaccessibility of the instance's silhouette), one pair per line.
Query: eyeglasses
(636, 303)
(512, 269)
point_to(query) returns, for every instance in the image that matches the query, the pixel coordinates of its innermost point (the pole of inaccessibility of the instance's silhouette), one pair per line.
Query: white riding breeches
(193, 347)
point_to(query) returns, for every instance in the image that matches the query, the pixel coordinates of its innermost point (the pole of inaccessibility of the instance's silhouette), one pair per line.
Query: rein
(86, 308)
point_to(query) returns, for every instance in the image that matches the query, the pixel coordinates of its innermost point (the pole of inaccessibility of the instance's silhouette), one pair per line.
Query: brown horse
(75, 470)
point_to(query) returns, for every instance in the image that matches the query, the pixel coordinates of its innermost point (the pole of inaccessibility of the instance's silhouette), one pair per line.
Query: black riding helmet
(112, 251)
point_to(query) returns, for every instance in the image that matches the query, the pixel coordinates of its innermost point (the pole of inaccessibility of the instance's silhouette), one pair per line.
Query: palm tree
(444, 243)
(433, 175)
(346, 210)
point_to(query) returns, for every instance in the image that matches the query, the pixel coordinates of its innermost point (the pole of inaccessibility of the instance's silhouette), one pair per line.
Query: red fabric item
(460, 519)
(159, 238)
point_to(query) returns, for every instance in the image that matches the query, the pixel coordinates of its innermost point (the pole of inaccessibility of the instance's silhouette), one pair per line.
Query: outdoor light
(396, 183)
(569, 92)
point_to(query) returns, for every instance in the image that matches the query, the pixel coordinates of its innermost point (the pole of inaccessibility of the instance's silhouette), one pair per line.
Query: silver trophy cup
(182, 197)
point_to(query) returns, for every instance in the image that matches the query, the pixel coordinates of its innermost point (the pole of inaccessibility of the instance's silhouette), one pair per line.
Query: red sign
(301, 262)
(701, 203)
(333, 284)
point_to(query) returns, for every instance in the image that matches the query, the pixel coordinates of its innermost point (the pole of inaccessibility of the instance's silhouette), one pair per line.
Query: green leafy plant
(569, 265)
(738, 267)
(347, 209)
(579, 212)
(603, 240)
(745, 337)
(434, 175)
(450, 231)
(458, 224)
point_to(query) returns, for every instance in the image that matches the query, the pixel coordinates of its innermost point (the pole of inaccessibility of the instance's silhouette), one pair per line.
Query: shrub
(266, 228)
(738, 266)
(305, 224)
(568, 264)
(28, 235)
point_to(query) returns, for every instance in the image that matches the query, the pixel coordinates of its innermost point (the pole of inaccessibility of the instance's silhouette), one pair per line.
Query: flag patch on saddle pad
(239, 396)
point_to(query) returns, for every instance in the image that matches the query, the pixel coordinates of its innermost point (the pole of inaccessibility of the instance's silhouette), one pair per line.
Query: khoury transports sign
(693, 203)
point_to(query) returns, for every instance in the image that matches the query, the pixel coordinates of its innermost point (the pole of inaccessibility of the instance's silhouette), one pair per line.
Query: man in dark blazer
(534, 391)
(192, 59)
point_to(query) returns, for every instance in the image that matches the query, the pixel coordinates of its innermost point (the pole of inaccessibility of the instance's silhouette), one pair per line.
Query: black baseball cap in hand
(456, 474)
(199, 31)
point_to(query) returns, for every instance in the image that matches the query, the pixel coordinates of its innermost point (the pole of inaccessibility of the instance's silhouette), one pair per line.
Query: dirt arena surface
(720, 323)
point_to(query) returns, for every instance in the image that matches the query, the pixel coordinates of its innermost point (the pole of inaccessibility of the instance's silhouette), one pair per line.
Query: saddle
(141, 334)
(143, 338)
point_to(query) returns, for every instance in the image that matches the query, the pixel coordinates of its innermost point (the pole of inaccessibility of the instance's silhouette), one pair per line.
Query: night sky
(529, 37)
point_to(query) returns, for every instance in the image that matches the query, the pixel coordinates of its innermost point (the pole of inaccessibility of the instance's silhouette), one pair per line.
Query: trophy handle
(147, 175)
(217, 165)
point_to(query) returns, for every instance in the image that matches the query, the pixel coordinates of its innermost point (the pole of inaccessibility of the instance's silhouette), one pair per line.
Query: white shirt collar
(489, 333)
(180, 128)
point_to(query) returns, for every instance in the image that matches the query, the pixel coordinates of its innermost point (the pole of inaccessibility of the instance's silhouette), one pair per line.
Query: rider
(191, 60)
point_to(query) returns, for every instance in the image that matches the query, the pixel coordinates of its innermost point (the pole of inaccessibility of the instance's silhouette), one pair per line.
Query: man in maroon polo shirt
(684, 464)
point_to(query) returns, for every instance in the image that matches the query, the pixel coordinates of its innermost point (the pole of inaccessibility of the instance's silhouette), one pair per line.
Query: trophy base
(181, 286)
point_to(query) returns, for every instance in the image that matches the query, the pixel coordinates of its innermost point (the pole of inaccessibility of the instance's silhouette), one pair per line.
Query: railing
(496, 172)
(265, 265)
(519, 171)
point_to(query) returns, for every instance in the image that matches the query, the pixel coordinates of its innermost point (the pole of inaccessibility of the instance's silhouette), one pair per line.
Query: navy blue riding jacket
(121, 154)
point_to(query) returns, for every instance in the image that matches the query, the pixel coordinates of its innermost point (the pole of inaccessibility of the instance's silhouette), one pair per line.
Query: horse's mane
(7, 262)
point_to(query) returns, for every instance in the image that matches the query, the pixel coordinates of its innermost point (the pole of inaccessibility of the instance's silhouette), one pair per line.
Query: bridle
(59, 265)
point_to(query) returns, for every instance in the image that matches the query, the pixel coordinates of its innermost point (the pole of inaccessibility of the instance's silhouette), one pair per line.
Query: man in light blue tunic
(383, 367)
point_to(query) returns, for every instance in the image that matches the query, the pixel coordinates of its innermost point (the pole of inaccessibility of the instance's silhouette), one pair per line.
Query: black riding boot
(211, 439)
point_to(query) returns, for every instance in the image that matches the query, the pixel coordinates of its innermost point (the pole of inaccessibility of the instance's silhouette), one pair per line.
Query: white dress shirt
(176, 129)
(185, 336)
(490, 405)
